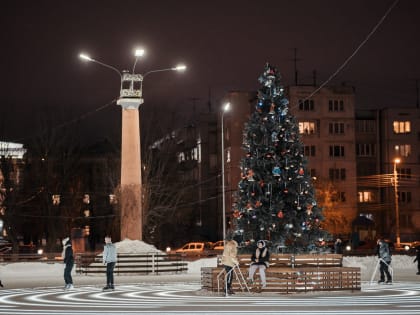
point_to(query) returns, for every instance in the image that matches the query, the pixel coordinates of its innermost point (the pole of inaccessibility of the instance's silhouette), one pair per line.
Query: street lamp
(226, 108)
(130, 99)
(397, 210)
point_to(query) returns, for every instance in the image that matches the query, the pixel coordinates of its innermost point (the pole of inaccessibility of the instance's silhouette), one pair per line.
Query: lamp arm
(107, 66)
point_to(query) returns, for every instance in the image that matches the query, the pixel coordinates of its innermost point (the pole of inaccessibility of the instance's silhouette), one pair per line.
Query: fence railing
(144, 263)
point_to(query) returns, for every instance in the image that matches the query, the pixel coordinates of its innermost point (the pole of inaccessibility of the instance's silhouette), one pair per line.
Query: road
(401, 298)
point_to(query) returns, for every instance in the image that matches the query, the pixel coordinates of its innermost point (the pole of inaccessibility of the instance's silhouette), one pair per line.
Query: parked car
(194, 249)
(219, 246)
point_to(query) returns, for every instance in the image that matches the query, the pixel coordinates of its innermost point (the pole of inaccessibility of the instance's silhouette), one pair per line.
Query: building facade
(352, 150)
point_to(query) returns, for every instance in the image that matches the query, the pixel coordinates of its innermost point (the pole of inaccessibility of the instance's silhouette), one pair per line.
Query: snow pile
(369, 263)
(128, 246)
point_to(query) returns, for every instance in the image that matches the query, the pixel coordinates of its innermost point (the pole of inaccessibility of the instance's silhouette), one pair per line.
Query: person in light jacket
(229, 260)
(109, 258)
(260, 260)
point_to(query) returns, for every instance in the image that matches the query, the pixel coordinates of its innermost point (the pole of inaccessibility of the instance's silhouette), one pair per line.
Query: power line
(354, 52)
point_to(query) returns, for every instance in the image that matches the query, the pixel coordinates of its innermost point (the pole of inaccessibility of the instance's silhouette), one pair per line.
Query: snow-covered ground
(37, 274)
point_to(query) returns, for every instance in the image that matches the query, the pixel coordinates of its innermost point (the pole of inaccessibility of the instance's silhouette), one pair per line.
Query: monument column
(131, 207)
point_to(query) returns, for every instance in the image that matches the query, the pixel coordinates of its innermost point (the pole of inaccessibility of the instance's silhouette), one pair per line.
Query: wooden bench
(292, 273)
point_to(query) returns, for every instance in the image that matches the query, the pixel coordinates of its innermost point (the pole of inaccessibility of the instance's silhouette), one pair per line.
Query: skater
(416, 259)
(260, 260)
(109, 258)
(69, 262)
(230, 260)
(1, 284)
(338, 246)
(385, 260)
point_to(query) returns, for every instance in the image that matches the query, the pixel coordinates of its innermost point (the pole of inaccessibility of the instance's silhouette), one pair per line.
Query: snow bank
(369, 262)
(128, 246)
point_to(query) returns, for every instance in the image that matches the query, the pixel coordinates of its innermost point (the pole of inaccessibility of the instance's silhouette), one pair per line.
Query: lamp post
(397, 209)
(226, 108)
(130, 99)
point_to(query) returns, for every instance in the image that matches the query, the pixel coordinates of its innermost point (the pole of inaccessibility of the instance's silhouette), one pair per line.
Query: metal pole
(223, 180)
(397, 210)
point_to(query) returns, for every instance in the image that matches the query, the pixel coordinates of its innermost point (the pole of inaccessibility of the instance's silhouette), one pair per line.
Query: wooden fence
(145, 263)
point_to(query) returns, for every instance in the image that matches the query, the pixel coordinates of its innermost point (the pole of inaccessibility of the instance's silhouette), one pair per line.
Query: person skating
(68, 259)
(109, 259)
(229, 260)
(260, 260)
(417, 259)
(385, 260)
(1, 284)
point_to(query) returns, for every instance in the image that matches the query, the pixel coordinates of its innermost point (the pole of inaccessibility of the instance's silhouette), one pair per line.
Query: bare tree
(335, 222)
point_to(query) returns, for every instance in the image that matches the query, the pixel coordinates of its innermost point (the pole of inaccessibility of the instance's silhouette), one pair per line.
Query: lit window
(86, 199)
(307, 127)
(366, 196)
(402, 126)
(403, 150)
(56, 200)
(113, 199)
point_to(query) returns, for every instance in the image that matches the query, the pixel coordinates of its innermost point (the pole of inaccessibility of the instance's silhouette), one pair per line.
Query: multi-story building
(354, 150)
(400, 156)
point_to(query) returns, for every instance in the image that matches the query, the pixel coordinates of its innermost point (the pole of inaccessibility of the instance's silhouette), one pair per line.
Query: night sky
(225, 45)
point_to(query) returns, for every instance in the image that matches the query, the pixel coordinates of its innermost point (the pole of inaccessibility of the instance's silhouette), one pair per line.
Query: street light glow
(397, 160)
(180, 68)
(139, 52)
(226, 107)
(85, 57)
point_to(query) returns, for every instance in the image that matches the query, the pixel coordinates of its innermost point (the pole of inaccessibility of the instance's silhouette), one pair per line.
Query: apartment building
(352, 149)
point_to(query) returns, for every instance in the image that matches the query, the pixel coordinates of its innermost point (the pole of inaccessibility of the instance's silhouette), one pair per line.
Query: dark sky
(224, 43)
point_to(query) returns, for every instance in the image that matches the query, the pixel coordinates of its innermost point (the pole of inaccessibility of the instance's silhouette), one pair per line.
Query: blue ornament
(276, 171)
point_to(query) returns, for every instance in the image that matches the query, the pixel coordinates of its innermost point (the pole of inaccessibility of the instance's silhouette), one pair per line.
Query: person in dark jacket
(68, 259)
(338, 246)
(418, 259)
(385, 260)
(260, 260)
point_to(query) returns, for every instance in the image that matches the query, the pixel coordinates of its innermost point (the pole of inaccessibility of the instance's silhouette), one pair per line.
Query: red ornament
(236, 214)
(280, 214)
(301, 171)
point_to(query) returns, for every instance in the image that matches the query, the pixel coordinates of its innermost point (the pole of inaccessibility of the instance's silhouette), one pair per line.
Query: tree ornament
(250, 175)
(276, 171)
(280, 214)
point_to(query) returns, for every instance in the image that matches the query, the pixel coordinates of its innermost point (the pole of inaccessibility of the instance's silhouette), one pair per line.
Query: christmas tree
(276, 199)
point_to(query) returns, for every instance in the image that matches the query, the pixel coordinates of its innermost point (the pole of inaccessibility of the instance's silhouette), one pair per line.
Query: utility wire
(354, 52)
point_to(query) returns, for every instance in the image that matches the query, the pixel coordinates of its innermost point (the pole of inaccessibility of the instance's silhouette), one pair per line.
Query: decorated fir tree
(276, 199)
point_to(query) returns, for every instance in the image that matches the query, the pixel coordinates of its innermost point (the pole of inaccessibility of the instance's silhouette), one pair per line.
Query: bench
(292, 273)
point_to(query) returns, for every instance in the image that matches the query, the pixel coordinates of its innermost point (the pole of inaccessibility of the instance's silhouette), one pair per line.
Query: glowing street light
(226, 108)
(397, 210)
(130, 99)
